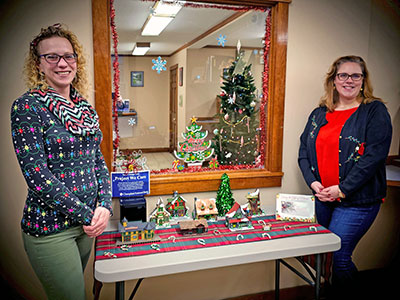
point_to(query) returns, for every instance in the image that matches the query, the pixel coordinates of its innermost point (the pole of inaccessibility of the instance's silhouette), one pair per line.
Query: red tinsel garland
(115, 79)
(265, 85)
(208, 5)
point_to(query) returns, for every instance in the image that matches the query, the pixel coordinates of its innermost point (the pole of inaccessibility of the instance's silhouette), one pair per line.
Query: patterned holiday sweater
(57, 147)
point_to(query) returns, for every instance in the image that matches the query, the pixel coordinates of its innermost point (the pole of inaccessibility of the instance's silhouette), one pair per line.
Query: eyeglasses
(53, 58)
(345, 76)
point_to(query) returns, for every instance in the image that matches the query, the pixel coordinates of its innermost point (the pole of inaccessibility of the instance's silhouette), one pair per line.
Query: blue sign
(130, 184)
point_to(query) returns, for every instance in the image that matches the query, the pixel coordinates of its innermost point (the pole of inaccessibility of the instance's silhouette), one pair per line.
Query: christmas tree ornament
(238, 46)
(159, 64)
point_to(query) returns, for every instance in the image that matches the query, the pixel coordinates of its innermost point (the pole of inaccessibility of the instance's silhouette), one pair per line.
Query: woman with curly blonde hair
(34, 77)
(56, 137)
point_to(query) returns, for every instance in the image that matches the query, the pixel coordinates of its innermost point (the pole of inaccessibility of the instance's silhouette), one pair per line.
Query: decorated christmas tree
(236, 138)
(194, 149)
(225, 199)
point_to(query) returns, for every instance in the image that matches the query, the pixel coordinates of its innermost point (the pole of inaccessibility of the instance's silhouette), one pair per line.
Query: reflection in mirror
(194, 98)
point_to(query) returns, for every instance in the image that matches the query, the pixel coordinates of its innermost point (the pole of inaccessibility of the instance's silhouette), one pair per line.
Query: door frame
(173, 110)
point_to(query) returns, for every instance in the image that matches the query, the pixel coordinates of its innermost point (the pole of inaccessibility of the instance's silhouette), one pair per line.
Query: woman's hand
(317, 186)
(330, 193)
(99, 222)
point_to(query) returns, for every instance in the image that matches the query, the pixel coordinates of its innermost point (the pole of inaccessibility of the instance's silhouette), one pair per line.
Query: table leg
(136, 288)
(318, 276)
(277, 277)
(120, 290)
(97, 285)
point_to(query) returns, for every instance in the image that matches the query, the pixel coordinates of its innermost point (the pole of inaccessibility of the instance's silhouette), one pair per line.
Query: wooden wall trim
(210, 181)
(102, 74)
(162, 184)
(276, 99)
(210, 31)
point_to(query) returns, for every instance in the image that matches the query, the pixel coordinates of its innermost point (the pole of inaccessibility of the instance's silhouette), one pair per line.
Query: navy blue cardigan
(363, 147)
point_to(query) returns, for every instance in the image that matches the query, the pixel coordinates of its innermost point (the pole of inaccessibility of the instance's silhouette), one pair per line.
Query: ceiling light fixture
(141, 48)
(161, 15)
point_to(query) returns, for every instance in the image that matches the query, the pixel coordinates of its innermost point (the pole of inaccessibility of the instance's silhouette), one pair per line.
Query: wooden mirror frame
(164, 184)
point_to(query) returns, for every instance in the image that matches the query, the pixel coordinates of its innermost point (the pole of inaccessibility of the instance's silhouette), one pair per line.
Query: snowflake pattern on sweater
(65, 172)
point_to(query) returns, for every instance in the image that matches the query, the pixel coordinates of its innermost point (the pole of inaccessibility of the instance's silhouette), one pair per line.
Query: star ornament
(221, 40)
(159, 64)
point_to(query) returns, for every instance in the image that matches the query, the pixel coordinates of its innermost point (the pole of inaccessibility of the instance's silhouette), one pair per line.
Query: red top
(327, 146)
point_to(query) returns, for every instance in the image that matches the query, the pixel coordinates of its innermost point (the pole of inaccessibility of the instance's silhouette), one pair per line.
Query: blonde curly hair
(331, 97)
(34, 78)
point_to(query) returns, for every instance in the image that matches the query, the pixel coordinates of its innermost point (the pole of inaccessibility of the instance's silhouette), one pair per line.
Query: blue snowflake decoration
(159, 64)
(221, 40)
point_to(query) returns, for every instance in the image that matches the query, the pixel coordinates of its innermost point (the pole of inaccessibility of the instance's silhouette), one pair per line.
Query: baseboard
(303, 292)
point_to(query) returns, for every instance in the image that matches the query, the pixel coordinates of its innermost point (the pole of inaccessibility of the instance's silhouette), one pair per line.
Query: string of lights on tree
(236, 135)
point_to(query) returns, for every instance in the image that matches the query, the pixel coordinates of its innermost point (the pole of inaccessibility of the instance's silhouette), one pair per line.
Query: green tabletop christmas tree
(224, 199)
(194, 149)
(236, 134)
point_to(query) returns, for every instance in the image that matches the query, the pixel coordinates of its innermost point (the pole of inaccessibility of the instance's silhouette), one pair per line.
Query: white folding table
(139, 267)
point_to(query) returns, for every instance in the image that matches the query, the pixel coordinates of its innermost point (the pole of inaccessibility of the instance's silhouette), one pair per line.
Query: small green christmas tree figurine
(236, 135)
(225, 199)
(194, 149)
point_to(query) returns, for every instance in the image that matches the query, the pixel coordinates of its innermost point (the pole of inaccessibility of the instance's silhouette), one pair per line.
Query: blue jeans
(350, 224)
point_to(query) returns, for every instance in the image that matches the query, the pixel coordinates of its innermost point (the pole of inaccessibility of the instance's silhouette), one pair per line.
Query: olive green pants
(59, 261)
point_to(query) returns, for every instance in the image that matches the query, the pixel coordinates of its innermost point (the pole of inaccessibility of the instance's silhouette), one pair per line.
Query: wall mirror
(175, 88)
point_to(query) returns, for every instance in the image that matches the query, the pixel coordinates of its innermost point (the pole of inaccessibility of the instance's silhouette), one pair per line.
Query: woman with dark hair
(56, 137)
(342, 157)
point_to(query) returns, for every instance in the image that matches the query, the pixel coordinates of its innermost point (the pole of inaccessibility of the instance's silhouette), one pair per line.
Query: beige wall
(205, 68)
(319, 32)
(151, 103)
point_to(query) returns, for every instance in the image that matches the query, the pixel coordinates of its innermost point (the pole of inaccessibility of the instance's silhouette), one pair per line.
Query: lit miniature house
(205, 209)
(237, 217)
(160, 215)
(193, 226)
(176, 206)
(254, 203)
(136, 230)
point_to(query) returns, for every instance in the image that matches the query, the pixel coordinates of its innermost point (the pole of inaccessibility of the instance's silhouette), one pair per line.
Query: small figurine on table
(136, 231)
(254, 203)
(205, 209)
(160, 215)
(238, 217)
(193, 226)
(177, 206)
